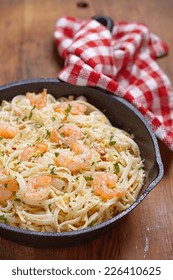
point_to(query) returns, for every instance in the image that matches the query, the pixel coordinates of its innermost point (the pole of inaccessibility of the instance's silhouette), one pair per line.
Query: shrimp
(59, 184)
(104, 185)
(38, 100)
(35, 150)
(77, 159)
(74, 107)
(38, 187)
(68, 134)
(8, 131)
(2, 172)
(7, 188)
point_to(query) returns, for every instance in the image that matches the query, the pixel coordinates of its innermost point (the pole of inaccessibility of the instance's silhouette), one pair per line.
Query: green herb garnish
(37, 125)
(38, 139)
(112, 143)
(30, 114)
(60, 126)
(47, 133)
(68, 109)
(53, 119)
(24, 118)
(116, 168)
(56, 154)
(88, 178)
(92, 224)
(3, 219)
(53, 171)
(17, 199)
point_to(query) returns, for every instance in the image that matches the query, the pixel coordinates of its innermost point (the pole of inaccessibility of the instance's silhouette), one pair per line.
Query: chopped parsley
(116, 168)
(14, 193)
(68, 109)
(112, 143)
(53, 119)
(60, 126)
(37, 125)
(38, 139)
(30, 114)
(53, 171)
(24, 118)
(88, 178)
(56, 154)
(47, 134)
(92, 224)
(3, 219)
(17, 199)
(33, 157)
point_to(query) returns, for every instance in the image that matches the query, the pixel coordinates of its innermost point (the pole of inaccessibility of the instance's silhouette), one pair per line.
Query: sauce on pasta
(63, 166)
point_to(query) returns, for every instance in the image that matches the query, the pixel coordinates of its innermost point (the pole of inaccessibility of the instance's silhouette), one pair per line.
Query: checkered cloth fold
(121, 62)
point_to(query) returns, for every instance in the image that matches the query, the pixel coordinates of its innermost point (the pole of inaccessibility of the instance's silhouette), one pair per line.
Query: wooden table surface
(27, 50)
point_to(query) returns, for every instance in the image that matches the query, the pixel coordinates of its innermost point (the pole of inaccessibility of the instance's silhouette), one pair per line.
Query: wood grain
(27, 50)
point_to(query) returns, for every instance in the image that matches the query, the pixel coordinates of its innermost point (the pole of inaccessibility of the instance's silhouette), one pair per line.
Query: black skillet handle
(106, 21)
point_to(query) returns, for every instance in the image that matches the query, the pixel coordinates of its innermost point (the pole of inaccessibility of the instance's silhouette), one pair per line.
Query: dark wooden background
(27, 50)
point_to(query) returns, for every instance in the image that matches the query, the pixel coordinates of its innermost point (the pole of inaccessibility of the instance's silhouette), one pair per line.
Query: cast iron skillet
(121, 114)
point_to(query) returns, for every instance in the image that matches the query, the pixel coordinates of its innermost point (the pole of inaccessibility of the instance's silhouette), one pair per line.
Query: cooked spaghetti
(63, 166)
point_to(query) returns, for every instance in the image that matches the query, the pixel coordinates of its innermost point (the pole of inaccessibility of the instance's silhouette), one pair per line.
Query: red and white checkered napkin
(122, 62)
